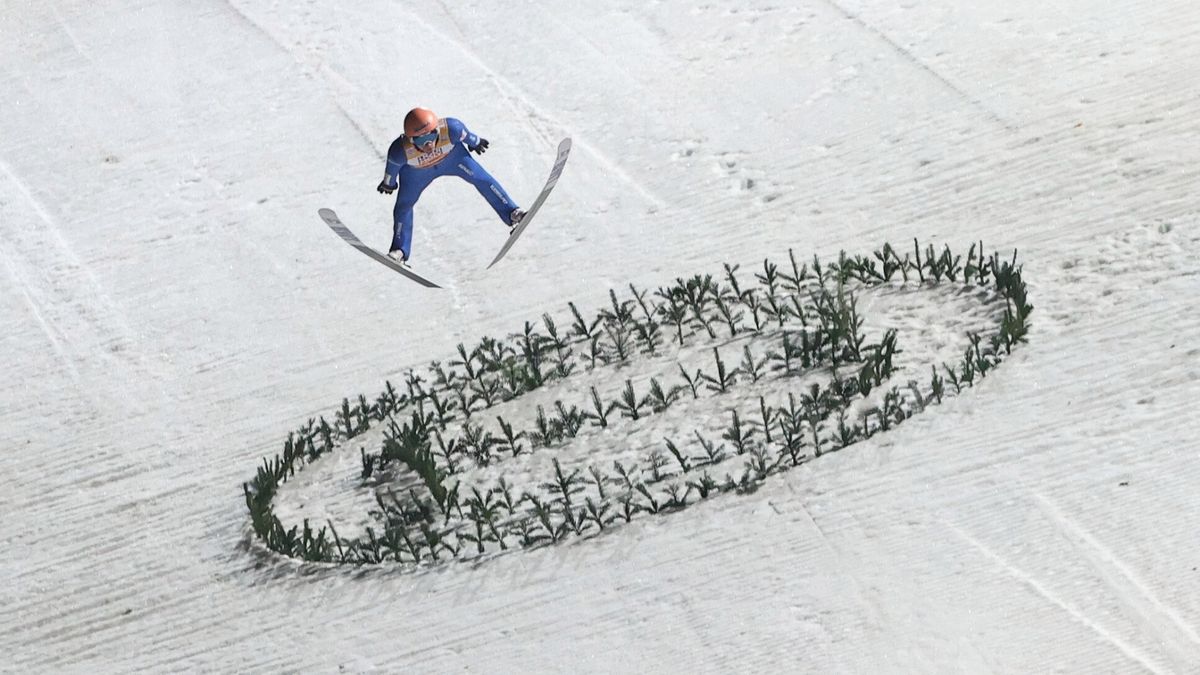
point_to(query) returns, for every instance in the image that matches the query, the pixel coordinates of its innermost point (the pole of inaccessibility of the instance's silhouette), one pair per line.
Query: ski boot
(400, 258)
(514, 220)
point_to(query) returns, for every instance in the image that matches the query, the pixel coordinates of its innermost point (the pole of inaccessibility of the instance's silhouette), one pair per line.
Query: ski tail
(331, 219)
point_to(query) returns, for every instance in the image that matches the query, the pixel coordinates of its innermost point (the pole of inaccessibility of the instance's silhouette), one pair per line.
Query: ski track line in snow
(1125, 648)
(802, 516)
(513, 90)
(877, 615)
(912, 58)
(309, 72)
(106, 303)
(1162, 621)
(55, 336)
(91, 315)
(85, 54)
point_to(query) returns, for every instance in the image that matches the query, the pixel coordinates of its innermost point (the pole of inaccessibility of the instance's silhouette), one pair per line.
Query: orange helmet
(419, 121)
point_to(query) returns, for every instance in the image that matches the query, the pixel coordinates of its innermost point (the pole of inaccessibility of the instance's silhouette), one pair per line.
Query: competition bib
(441, 149)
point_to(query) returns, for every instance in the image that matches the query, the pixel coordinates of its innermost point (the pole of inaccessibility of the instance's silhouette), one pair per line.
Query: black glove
(384, 188)
(480, 147)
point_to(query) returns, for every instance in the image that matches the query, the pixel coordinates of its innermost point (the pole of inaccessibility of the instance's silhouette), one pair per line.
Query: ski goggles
(425, 139)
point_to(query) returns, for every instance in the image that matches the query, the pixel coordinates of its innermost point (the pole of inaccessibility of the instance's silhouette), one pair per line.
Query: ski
(564, 148)
(331, 219)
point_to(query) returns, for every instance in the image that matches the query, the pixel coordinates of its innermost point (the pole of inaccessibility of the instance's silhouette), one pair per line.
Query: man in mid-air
(431, 148)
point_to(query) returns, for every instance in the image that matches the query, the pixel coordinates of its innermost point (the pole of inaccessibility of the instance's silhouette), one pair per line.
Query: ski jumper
(414, 169)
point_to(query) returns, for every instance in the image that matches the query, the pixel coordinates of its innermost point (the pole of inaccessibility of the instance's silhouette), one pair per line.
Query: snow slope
(172, 306)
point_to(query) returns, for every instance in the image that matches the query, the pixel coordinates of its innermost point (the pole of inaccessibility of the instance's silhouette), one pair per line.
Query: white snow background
(171, 306)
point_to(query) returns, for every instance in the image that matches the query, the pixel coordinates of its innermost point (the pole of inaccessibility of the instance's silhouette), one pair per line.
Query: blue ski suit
(413, 170)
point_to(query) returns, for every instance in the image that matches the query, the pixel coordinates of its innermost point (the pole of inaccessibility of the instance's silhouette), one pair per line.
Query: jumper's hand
(480, 147)
(384, 188)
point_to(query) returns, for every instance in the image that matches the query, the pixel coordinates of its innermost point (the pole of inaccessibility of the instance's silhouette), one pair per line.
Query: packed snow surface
(172, 306)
